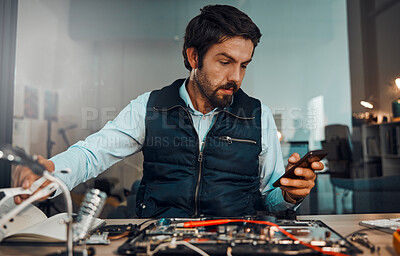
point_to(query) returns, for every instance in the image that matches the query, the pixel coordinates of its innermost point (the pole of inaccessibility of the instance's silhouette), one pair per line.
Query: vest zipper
(230, 140)
(200, 160)
(196, 194)
(200, 157)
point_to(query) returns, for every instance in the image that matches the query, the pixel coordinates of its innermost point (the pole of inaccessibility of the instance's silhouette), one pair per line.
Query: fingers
(302, 186)
(23, 177)
(306, 173)
(313, 162)
(299, 187)
(16, 175)
(47, 182)
(302, 190)
(297, 192)
(297, 183)
(26, 183)
(318, 166)
(292, 160)
(17, 199)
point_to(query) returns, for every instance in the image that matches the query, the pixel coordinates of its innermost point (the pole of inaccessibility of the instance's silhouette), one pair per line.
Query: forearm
(83, 162)
(118, 139)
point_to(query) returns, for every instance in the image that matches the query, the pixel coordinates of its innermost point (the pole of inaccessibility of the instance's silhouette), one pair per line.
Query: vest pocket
(230, 140)
(232, 154)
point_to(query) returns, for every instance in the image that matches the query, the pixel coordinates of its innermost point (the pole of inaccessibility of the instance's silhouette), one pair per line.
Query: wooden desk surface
(343, 224)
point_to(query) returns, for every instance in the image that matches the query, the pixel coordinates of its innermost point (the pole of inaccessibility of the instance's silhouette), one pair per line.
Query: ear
(192, 57)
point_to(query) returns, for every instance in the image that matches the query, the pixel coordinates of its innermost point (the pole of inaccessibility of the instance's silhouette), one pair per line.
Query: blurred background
(327, 69)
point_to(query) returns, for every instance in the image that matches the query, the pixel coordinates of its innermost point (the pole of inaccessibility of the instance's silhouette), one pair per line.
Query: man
(209, 149)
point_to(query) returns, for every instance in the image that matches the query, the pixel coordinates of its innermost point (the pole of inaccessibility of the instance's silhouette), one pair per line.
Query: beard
(207, 90)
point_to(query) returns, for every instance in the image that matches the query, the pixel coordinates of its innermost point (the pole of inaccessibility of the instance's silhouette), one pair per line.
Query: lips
(229, 88)
(227, 91)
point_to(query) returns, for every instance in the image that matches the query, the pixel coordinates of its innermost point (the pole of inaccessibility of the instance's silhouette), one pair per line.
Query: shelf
(375, 156)
(390, 156)
(382, 142)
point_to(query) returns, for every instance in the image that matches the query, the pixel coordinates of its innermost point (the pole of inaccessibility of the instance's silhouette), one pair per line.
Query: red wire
(192, 224)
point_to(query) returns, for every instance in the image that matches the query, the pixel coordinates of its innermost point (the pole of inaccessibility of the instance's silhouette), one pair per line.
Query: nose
(235, 74)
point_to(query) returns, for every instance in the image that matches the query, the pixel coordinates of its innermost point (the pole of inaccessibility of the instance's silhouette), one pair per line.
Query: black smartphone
(305, 161)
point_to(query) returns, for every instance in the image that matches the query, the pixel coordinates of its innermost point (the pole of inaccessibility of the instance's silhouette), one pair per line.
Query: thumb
(294, 158)
(49, 165)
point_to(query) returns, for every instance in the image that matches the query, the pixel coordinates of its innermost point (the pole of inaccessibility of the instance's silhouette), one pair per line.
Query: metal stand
(68, 202)
(48, 204)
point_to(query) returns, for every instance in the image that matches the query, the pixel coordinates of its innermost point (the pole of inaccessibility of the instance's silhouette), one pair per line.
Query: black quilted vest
(179, 180)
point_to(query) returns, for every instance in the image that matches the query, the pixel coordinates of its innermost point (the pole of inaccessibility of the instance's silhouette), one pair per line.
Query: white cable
(11, 192)
(194, 248)
(187, 244)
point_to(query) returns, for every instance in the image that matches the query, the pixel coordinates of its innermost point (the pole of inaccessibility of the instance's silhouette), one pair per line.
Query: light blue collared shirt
(124, 136)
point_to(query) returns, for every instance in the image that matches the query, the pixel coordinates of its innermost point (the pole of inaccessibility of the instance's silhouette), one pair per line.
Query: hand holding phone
(305, 161)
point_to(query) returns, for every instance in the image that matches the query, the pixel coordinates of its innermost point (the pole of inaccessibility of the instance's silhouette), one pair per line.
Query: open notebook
(32, 225)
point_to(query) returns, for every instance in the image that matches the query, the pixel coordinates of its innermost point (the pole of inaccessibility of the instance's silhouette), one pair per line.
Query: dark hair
(215, 24)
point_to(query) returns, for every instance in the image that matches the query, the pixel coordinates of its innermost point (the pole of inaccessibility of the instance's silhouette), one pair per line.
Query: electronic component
(362, 239)
(90, 209)
(117, 231)
(238, 236)
(385, 225)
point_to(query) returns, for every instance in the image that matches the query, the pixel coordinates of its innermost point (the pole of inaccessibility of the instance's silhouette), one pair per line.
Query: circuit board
(239, 236)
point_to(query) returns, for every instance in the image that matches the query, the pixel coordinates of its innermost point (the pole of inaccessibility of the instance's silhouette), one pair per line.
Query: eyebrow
(232, 59)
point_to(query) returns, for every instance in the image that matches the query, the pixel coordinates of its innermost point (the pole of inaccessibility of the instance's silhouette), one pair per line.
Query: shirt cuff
(275, 202)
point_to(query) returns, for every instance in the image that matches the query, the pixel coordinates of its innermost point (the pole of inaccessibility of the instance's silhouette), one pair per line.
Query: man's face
(224, 67)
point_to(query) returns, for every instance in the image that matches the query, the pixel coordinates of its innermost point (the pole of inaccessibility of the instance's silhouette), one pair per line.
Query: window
(78, 63)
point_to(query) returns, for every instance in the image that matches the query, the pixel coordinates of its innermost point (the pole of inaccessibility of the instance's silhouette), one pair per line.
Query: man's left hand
(296, 189)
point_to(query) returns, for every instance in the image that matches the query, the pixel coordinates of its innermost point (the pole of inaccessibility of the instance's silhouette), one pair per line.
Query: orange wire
(116, 237)
(191, 224)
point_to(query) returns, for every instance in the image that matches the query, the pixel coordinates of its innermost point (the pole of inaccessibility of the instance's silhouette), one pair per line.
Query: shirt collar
(183, 93)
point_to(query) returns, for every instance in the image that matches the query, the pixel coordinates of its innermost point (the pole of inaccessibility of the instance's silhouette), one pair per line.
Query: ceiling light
(366, 104)
(397, 82)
